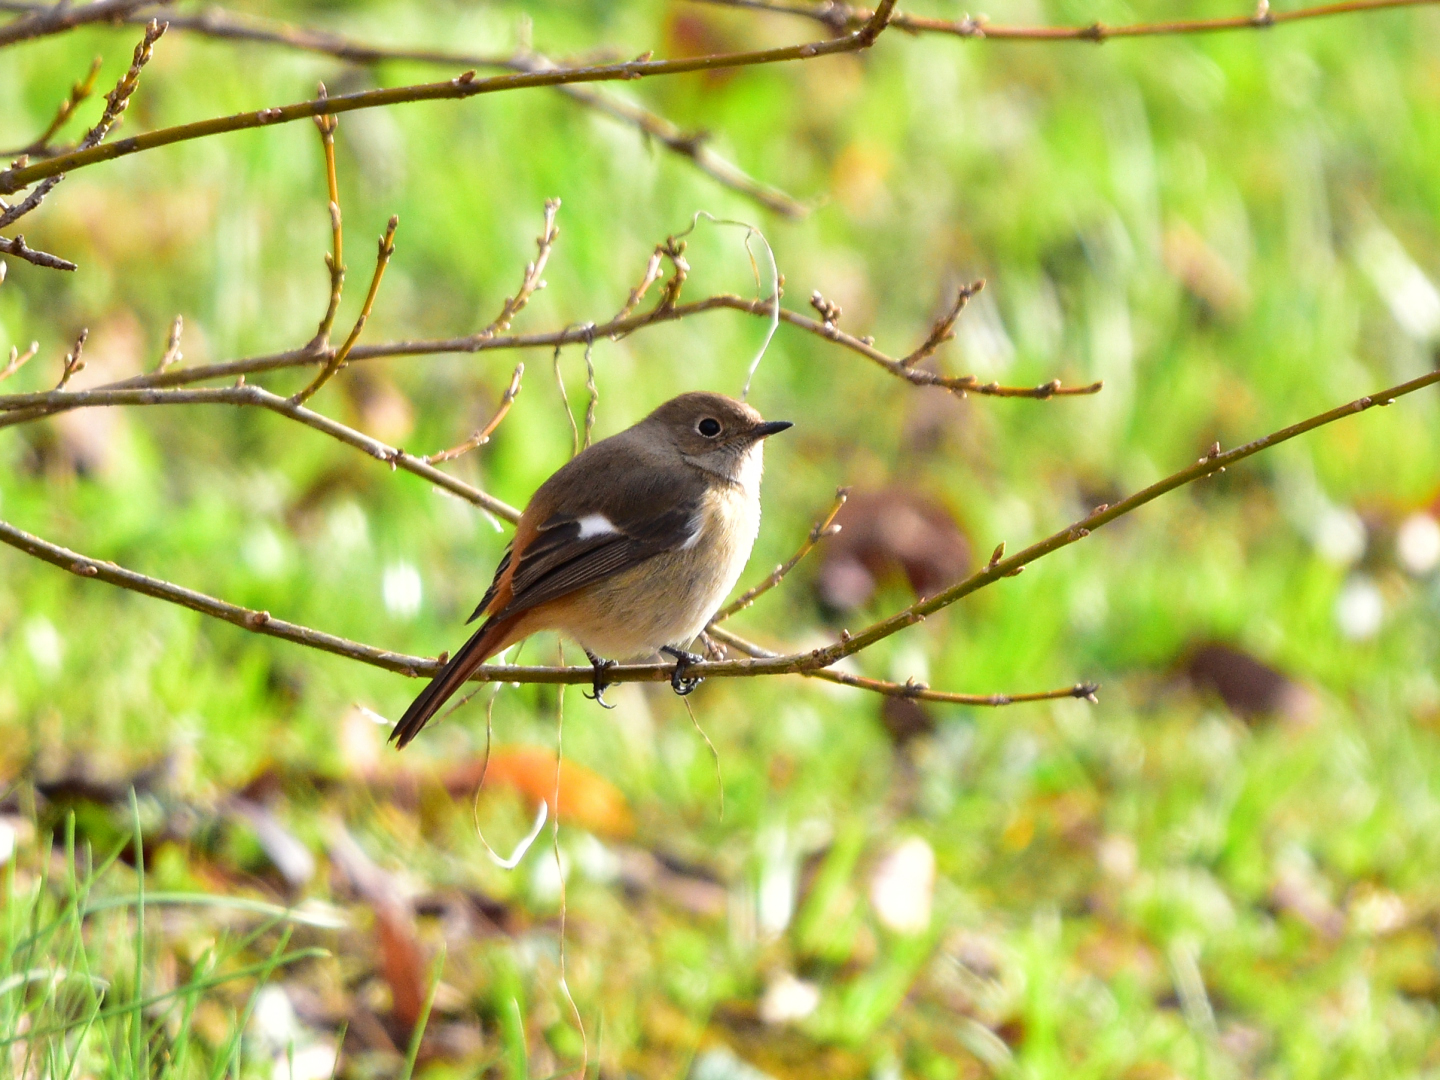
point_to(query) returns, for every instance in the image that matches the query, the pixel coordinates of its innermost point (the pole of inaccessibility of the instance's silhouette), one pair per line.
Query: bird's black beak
(770, 427)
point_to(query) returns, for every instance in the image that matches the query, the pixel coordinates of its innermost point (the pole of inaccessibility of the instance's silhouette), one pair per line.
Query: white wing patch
(697, 526)
(595, 525)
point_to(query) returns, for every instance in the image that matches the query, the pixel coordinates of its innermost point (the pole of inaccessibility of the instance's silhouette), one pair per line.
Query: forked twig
(337, 361)
(482, 436)
(532, 281)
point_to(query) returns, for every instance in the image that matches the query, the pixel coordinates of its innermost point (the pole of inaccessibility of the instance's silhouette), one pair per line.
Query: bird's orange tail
(485, 643)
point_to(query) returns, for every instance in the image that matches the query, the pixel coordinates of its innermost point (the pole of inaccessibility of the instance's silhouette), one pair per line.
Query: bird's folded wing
(568, 553)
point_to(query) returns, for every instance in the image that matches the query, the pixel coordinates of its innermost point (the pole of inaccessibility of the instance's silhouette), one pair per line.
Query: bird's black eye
(709, 427)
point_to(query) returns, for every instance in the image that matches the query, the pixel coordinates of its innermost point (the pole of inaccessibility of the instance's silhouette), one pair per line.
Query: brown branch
(15, 245)
(74, 363)
(60, 17)
(18, 359)
(334, 259)
(652, 275)
(116, 102)
(79, 92)
(941, 332)
(841, 17)
(337, 361)
(532, 280)
(916, 691)
(750, 667)
(15, 411)
(172, 355)
(462, 86)
(218, 23)
(482, 436)
(824, 527)
(262, 398)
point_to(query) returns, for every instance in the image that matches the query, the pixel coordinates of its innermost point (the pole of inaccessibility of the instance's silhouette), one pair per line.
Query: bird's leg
(713, 649)
(678, 681)
(599, 684)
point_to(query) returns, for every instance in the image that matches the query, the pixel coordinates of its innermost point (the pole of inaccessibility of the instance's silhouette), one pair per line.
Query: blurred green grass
(1210, 224)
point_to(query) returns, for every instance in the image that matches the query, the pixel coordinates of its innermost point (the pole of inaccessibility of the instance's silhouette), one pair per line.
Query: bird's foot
(679, 682)
(599, 684)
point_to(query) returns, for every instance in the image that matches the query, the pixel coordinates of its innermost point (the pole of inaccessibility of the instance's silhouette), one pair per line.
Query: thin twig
(916, 691)
(18, 359)
(116, 102)
(941, 332)
(750, 667)
(565, 402)
(74, 362)
(824, 527)
(532, 280)
(652, 274)
(16, 410)
(695, 146)
(62, 16)
(335, 258)
(15, 245)
(482, 436)
(462, 86)
(840, 17)
(79, 92)
(337, 361)
(592, 407)
(261, 398)
(173, 355)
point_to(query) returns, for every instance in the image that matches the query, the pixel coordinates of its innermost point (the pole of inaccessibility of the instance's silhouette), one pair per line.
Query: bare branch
(482, 436)
(916, 691)
(533, 271)
(335, 259)
(62, 16)
(813, 661)
(18, 359)
(262, 398)
(218, 23)
(841, 17)
(337, 361)
(79, 92)
(15, 245)
(116, 102)
(944, 328)
(652, 275)
(173, 355)
(824, 527)
(462, 86)
(74, 364)
(14, 411)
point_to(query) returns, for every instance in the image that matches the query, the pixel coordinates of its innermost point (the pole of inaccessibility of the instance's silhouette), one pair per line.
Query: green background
(1234, 231)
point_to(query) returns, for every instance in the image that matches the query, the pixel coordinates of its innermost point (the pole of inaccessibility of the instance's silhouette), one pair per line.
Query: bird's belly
(668, 600)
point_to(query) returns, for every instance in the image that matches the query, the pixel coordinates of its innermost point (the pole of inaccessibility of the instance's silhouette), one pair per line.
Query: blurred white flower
(45, 645)
(1339, 536)
(1359, 609)
(1417, 544)
(1412, 298)
(402, 590)
(788, 1000)
(902, 888)
(775, 897)
(264, 552)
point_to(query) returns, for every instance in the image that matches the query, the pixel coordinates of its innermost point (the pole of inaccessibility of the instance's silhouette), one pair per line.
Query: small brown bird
(629, 548)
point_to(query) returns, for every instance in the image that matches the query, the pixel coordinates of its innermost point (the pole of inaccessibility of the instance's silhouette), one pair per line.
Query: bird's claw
(679, 681)
(599, 684)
